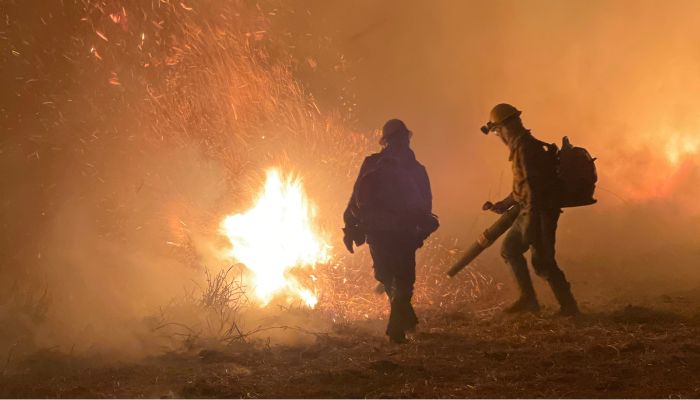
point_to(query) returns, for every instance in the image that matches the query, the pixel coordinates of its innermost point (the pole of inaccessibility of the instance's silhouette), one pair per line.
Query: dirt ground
(629, 351)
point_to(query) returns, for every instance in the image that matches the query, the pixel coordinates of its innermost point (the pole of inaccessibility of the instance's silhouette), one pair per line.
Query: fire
(275, 237)
(681, 146)
(657, 166)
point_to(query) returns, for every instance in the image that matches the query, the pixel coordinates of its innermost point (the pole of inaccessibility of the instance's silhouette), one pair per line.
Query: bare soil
(629, 352)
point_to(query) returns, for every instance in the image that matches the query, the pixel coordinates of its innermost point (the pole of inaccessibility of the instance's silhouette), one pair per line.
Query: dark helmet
(393, 129)
(500, 114)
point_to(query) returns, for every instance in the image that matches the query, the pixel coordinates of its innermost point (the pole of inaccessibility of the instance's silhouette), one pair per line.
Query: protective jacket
(353, 215)
(534, 173)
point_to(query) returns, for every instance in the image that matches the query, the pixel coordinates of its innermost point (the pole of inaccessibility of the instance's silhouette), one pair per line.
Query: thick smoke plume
(617, 78)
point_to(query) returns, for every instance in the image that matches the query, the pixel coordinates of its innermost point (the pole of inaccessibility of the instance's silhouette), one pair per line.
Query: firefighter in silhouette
(391, 209)
(535, 189)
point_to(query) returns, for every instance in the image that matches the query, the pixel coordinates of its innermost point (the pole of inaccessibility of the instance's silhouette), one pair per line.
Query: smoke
(618, 78)
(130, 129)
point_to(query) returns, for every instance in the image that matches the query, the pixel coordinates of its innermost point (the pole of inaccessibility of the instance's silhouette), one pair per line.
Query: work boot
(522, 305)
(568, 306)
(398, 338)
(568, 311)
(402, 317)
(527, 301)
(562, 291)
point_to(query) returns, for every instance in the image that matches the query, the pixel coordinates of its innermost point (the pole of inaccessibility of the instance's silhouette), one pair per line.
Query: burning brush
(275, 237)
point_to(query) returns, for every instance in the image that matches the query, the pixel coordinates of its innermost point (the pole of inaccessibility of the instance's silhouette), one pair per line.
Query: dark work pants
(535, 230)
(394, 257)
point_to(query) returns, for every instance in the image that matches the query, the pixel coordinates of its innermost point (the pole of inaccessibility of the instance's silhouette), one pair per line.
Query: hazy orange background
(620, 78)
(93, 194)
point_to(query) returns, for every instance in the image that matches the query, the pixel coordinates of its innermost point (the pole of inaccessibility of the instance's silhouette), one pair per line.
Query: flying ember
(275, 237)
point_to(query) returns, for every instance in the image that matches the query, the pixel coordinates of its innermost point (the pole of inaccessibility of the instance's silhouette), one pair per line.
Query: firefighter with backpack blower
(540, 189)
(391, 209)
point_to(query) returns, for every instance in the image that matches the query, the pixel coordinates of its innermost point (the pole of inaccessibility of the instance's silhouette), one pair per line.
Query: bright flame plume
(275, 237)
(680, 146)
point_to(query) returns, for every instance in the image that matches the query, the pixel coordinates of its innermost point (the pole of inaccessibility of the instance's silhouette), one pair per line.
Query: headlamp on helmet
(500, 115)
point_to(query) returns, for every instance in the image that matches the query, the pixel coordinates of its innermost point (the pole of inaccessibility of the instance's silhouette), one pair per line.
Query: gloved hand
(353, 235)
(347, 241)
(501, 207)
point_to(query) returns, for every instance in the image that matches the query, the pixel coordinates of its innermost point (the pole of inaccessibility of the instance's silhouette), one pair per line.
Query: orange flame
(680, 146)
(274, 237)
(658, 169)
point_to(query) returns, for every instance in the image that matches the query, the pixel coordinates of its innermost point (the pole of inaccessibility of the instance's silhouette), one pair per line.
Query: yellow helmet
(500, 113)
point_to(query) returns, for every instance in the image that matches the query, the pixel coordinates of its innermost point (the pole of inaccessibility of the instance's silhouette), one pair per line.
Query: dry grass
(147, 79)
(627, 353)
(348, 285)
